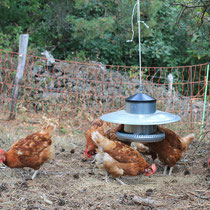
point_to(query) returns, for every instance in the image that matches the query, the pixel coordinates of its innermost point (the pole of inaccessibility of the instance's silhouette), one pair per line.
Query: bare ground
(72, 182)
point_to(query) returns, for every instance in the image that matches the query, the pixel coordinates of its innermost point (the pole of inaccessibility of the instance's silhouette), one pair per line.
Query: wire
(139, 36)
(132, 24)
(131, 40)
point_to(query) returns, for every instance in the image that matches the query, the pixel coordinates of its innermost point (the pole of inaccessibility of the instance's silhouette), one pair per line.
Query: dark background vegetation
(96, 30)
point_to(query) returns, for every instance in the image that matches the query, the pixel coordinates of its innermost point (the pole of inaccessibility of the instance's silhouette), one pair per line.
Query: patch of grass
(29, 128)
(62, 131)
(78, 132)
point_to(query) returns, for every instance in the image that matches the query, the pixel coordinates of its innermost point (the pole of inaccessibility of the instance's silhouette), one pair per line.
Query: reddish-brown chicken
(104, 128)
(31, 151)
(170, 149)
(118, 158)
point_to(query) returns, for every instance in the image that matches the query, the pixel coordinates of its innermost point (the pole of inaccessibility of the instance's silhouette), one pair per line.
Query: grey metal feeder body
(140, 119)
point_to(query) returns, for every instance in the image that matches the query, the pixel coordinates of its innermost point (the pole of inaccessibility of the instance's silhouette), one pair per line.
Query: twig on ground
(147, 201)
(174, 195)
(43, 196)
(200, 196)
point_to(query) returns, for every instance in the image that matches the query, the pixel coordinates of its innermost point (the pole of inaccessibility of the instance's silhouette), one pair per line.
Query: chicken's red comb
(154, 169)
(86, 153)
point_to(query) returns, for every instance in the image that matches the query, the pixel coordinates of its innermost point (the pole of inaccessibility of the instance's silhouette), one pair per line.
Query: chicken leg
(106, 178)
(170, 171)
(165, 170)
(120, 181)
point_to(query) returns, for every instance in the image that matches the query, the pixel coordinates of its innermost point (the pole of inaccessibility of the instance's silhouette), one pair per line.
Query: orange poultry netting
(76, 93)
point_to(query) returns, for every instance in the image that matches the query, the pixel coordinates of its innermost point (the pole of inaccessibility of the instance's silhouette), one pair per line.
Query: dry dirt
(72, 182)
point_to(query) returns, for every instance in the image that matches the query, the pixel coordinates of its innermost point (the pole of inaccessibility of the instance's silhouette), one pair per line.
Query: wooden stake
(23, 44)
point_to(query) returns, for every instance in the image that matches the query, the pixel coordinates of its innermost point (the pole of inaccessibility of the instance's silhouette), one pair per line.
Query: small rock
(24, 186)
(44, 186)
(123, 199)
(63, 193)
(31, 207)
(76, 176)
(3, 186)
(187, 172)
(185, 197)
(61, 202)
(84, 190)
(91, 173)
(72, 151)
(62, 150)
(84, 160)
(205, 164)
(149, 192)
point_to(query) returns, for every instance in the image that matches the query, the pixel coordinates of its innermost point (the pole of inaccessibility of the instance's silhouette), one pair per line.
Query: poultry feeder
(140, 117)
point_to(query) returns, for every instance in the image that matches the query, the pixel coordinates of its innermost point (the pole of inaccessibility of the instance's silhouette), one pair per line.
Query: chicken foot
(117, 179)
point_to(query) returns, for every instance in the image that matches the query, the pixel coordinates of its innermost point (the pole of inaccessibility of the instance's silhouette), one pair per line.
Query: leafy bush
(98, 30)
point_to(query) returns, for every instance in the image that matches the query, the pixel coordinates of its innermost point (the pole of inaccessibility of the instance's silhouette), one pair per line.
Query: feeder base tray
(148, 138)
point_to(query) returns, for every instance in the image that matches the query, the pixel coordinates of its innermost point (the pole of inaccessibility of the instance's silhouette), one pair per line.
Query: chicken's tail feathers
(100, 140)
(187, 140)
(111, 165)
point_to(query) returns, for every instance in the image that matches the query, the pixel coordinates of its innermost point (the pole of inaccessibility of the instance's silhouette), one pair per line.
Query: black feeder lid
(140, 97)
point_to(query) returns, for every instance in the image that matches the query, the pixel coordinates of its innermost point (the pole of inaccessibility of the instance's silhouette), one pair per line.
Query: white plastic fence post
(23, 45)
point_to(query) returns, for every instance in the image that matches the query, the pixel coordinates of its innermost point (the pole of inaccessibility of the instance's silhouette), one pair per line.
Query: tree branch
(204, 11)
(191, 6)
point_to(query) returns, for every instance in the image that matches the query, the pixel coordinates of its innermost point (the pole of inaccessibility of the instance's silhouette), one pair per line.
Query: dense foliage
(98, 30)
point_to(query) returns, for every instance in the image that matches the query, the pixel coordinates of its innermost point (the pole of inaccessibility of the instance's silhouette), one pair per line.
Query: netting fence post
(191, 100)
(204, 103)
(23, 45)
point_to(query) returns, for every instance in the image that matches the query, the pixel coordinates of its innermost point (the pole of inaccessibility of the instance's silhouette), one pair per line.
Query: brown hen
(170, 149)
(118, 158)
(104, 128)
(31, 151)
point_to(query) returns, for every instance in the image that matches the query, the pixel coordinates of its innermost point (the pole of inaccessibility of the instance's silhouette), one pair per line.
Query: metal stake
(139, 34)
